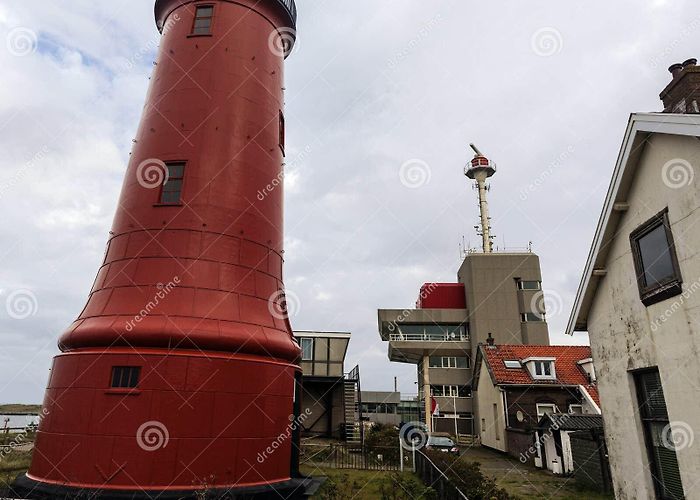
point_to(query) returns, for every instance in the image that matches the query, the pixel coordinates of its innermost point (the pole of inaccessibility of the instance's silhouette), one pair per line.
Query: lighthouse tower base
(297, 488)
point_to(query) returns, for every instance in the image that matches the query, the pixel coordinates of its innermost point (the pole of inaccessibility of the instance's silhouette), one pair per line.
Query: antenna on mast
(479, 169)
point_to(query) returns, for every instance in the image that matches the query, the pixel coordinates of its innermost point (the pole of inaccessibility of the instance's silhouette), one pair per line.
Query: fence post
(401, 453)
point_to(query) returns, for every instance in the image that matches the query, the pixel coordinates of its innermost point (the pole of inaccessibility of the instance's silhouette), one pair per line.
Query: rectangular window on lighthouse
(171, 191)
(282, 132)
(203, 20)
(125, 377)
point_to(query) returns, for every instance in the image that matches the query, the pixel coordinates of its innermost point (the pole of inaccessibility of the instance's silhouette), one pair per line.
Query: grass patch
(12, 465)
(17, 408)
(347, 484)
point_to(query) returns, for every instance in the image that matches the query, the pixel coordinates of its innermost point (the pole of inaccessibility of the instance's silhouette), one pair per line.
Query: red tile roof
(567, 370)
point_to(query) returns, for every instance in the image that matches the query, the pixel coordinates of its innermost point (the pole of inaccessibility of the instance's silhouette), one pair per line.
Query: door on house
(657, 432)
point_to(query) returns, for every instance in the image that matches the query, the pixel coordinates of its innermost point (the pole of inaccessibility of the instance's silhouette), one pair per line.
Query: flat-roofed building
(330, 396)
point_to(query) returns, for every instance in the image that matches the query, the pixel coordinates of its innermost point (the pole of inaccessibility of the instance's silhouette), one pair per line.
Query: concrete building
(497, 294)
(381, 407)
(638, 301)
(390, 408)
(330, 396)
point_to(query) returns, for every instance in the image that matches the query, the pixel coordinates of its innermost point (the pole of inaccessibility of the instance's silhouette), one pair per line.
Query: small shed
(554, 430)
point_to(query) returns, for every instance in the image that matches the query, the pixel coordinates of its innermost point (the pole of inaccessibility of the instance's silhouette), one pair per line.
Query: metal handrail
(423, 337)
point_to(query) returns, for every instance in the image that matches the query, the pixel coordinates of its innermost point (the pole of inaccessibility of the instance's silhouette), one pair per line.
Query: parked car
(443, 444)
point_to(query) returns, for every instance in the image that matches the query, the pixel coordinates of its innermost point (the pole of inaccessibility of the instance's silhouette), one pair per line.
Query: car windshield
(440, 441)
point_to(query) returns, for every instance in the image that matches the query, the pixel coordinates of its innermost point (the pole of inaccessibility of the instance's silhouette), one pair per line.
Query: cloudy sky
(383, 98)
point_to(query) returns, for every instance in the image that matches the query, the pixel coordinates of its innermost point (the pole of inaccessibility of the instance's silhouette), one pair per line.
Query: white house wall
(625, 335)
(487, 396)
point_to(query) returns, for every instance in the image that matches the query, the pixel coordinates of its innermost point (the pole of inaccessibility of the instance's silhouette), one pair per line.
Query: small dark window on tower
(171, 192)
(655, 261)
(203, 20)
(282, 132)
(125, 377)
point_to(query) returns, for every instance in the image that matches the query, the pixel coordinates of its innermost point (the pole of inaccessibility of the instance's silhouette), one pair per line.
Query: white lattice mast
(479, 169)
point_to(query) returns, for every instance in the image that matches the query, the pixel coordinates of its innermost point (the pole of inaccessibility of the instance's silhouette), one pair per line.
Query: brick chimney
(682, 95)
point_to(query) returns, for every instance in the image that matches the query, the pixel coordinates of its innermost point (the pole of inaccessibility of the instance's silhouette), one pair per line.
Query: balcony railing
(428, 337)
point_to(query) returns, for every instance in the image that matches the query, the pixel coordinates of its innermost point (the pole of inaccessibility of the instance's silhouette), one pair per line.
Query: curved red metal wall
(218, 360)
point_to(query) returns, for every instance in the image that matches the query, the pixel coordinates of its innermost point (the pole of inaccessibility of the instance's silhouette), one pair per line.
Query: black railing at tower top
(291, 7)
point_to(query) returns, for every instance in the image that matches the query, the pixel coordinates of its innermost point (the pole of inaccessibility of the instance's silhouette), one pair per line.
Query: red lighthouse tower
(180, 373)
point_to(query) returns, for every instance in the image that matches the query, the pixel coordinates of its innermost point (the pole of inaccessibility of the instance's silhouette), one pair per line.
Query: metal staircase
(352, 426)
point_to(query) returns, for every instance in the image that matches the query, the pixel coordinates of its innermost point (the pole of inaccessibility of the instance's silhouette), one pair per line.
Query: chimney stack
(682, 94)
(490, 341)
(676, 69)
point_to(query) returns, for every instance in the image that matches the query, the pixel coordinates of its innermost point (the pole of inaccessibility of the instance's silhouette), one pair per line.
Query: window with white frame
(449, 362)
(452, 391)
(544, 369)
(532, 317)
(307, 349)
(529, 285)
(541, 368)
(545, 408)
(576, 409)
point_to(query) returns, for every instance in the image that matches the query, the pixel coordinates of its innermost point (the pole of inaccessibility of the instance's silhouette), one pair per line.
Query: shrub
(407, 486)
(383, 440)
(467, 476)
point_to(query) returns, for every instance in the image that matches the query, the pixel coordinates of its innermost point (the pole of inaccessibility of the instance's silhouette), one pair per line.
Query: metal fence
(436, 479)
(348, 456)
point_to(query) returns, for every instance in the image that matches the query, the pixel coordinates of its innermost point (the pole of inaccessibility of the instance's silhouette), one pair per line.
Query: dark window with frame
(532, 317)
(655, 260)
(203, 18)
(171, 191)
(662, 454)
(125, 377)
(282, 132)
